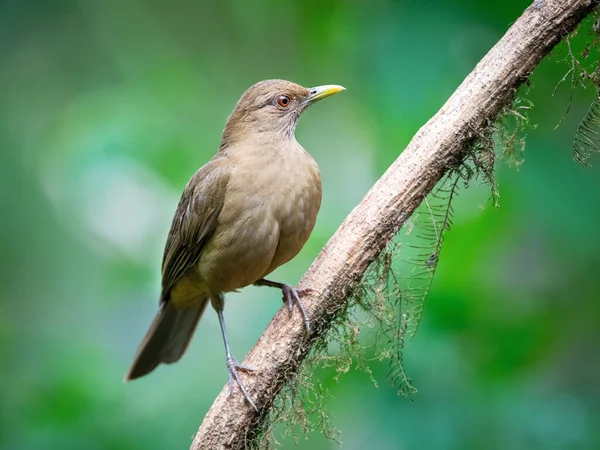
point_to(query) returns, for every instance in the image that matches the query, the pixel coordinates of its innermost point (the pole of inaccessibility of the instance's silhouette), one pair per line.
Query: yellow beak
(320, 92)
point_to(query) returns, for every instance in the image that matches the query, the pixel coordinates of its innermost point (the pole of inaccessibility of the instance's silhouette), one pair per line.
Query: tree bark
(440, 143)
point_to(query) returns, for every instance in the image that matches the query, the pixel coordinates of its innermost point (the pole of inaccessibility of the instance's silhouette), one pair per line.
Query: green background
(108, 107)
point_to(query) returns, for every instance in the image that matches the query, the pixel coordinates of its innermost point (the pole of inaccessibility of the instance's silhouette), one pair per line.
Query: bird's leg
(291, 295)
(232, 365)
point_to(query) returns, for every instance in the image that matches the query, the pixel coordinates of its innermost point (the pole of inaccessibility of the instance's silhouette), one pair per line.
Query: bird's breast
(269, 212)
(294, 203)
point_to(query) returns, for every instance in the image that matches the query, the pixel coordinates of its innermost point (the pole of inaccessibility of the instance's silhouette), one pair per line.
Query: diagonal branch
(440, 144)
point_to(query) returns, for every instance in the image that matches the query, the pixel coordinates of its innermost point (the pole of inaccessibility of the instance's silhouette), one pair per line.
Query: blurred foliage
(107, 108)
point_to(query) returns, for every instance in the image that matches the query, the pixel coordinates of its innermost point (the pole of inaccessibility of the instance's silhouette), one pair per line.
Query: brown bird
(249, 210)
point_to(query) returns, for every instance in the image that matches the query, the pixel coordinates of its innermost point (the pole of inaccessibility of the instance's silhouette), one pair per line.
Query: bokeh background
(108, 107)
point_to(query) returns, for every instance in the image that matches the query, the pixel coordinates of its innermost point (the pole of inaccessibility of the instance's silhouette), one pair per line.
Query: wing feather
(194, 221)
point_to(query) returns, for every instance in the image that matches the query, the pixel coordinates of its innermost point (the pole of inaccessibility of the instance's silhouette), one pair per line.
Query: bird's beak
(320, 92)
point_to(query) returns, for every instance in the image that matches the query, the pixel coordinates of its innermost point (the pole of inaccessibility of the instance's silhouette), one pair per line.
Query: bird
(247, 211)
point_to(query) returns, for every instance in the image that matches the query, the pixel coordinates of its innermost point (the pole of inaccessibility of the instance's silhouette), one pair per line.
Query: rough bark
(231, 422)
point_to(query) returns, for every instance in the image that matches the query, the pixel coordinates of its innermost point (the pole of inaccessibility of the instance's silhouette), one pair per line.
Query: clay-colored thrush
(249, 210)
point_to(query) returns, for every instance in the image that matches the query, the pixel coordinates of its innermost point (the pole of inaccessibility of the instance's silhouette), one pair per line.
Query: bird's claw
(233, 367)
(292, 295)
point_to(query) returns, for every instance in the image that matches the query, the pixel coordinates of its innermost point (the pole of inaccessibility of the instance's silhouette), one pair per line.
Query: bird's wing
(194, 221)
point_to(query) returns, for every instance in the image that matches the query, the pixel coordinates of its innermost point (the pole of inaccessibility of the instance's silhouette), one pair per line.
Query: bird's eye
(283, 101)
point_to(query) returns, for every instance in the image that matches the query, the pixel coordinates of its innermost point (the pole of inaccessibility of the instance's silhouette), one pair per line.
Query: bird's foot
(233, 367)
(292, 295)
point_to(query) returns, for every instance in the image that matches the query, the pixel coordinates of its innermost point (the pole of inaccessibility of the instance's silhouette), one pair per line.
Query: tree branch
(441, 143)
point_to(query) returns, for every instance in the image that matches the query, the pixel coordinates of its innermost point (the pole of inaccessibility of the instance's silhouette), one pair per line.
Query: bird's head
(272, 107)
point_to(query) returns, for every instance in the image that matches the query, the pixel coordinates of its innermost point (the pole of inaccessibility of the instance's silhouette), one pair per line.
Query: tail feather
(167, 339)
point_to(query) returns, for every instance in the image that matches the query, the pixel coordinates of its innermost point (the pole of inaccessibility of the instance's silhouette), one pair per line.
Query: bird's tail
(167, 339)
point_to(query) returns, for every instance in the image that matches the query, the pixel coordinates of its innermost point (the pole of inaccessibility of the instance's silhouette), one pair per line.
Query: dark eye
(283, 101)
